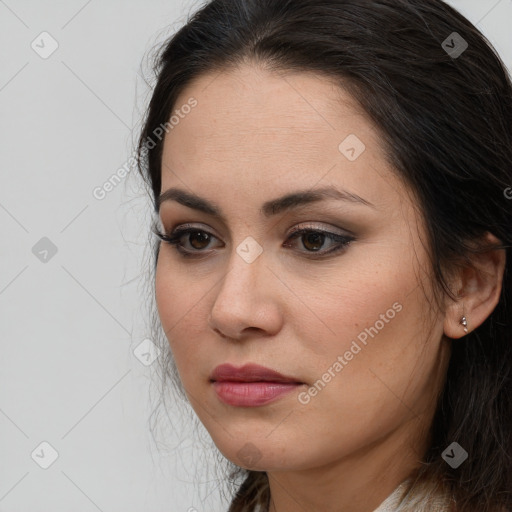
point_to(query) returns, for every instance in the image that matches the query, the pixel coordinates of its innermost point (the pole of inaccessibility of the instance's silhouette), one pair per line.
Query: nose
(248, 300)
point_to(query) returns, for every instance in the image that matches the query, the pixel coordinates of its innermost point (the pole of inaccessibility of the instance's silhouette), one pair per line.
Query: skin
(254, 136)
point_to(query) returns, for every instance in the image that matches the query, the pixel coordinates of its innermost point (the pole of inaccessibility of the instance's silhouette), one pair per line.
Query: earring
(464, 322)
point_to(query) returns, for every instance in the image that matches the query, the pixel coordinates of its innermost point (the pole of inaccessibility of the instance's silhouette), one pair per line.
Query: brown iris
(313, 241)
(201, 237)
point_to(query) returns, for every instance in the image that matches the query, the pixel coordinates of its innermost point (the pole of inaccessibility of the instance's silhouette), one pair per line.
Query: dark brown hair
(446, 122)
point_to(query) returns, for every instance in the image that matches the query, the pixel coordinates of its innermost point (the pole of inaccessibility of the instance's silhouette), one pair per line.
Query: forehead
(249, 103)
(259, 130)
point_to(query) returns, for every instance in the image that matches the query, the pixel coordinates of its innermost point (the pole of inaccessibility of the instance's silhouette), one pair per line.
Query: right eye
(198, 239)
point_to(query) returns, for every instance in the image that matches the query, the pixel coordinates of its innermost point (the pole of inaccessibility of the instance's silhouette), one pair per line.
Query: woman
(332, 185)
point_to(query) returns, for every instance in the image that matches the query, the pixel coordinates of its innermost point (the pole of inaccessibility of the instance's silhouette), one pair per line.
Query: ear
(479, 288)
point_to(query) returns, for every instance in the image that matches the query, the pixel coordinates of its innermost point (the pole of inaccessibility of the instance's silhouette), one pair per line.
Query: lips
(251, 385)
(249, 373)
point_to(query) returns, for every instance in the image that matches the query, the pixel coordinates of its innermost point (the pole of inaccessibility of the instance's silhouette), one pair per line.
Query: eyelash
(174, 238)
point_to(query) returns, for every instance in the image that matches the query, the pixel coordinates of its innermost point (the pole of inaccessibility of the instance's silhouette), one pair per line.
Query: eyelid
(322, 228)
(193, 226)
(319, 226)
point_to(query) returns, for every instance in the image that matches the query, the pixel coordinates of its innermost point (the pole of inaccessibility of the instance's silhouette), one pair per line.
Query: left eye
(312, 240)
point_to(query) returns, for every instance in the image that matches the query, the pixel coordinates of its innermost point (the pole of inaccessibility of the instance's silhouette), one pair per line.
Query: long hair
(442, 100)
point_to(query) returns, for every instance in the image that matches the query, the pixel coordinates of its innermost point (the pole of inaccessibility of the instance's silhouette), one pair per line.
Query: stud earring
(464, 322)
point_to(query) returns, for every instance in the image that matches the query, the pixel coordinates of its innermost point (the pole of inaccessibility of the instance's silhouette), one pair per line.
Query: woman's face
(349, 320)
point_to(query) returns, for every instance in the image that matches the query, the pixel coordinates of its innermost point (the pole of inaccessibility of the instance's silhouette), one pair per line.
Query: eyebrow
(270, 208)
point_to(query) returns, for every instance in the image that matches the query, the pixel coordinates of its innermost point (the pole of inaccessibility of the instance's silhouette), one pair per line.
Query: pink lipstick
(251, 385)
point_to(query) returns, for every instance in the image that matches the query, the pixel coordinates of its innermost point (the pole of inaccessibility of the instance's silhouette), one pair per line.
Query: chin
(259, 454)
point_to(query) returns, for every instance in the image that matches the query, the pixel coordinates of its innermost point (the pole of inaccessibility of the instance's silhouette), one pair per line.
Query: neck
(357, 483)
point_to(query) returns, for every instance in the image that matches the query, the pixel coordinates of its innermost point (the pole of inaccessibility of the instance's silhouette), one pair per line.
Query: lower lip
(252, 394)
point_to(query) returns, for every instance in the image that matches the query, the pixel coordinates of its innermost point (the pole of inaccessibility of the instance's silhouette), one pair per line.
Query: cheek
(360, 299)
(181, 310)
(367, 337)
(166, 297)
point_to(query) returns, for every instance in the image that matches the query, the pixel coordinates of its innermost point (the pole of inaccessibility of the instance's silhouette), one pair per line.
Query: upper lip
(248, 373)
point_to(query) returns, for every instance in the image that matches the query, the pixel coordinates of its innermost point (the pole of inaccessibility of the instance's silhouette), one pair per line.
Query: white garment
(390, 504)
(425, 501)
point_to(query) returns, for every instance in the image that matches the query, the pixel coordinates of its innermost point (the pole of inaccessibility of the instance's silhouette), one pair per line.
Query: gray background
(70, 321)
